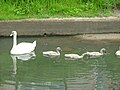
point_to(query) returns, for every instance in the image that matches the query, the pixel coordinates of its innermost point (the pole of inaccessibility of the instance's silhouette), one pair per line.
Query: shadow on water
(37, 72)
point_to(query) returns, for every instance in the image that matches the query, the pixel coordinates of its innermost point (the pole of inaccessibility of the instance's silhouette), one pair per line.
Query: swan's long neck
(101, 51)
(14, 40)
(58, 52)
(83, 55)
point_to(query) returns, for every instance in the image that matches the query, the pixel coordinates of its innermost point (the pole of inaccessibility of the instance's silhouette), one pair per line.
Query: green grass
(17, 9)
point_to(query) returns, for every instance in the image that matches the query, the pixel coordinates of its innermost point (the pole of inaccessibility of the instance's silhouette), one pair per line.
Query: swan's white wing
(118, 53)
(71, 55)
(94, 53)
(50, 53)
(24, 44)
(75, 56)
(23, 48)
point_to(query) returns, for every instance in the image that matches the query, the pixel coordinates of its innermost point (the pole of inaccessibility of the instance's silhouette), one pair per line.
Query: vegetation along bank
(17, 9)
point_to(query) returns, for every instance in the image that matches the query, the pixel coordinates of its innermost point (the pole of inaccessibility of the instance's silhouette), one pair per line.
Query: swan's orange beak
(11, 34)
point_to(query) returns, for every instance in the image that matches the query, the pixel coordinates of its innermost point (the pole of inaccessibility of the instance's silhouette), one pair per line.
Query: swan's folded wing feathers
(49, 53)
(71, 55)
(118, 52)
(23, 48)
(94, 53)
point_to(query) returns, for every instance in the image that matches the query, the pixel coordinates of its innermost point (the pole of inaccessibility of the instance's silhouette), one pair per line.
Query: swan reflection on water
(22, 57)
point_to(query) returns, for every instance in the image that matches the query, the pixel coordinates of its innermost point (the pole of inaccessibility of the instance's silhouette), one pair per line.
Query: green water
(43, 73)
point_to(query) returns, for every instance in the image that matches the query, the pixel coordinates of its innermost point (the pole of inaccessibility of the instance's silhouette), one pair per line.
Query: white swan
(52, 53)
(118, 52)
(75, 56)
(96, 54)
(21, 48)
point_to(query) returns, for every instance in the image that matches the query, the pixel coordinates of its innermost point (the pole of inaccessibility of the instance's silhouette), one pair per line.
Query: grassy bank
(16, 9)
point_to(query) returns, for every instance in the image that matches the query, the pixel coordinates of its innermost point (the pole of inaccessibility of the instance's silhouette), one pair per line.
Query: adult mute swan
(96, 54)
(75, 56)
(21, 48)
(52, 53)
(118, 52)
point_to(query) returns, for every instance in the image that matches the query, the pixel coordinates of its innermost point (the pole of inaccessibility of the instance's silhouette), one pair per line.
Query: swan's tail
(34, 43)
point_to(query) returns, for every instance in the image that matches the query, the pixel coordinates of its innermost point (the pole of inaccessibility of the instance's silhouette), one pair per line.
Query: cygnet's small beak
(105, 52)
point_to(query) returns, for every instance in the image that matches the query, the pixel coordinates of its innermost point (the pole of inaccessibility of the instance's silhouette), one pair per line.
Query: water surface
(44, 73)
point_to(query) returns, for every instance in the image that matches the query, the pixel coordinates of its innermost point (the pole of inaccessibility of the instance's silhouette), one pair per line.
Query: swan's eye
(13, 33)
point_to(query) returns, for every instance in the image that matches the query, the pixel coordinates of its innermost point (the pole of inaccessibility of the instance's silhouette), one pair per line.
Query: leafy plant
(49, 8)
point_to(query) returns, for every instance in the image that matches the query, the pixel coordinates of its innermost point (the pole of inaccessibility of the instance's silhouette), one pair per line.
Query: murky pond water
(44, 73)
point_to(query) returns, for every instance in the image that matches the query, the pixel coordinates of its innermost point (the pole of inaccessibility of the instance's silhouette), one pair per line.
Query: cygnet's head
(59, 48)
(103, 50)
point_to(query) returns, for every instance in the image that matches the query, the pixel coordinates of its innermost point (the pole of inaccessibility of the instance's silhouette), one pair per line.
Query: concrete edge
(98, 36)
(60, 26)
(110, 18)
